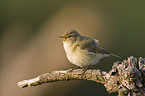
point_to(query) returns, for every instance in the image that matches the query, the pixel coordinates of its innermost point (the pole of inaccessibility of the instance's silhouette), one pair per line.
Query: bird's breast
(68, 47)
(71, 53)
(80, 57)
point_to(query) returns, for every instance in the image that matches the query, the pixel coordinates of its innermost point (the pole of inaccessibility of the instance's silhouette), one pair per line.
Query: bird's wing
(89, 45)
(103, 51)
(93, 47)
(99, 49)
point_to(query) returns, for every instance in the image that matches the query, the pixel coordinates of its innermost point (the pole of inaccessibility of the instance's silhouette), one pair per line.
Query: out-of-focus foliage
(29, 43)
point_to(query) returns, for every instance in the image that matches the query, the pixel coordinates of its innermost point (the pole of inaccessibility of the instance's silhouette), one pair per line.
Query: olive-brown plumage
(83, 51)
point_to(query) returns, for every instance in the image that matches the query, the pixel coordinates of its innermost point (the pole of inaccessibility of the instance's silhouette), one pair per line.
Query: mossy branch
(126, 78)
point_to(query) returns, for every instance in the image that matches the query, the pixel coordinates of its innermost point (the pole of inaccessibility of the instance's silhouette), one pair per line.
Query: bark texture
(126, 77)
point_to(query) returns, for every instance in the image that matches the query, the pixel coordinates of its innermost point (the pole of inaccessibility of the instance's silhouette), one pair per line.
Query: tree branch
(126, 78)
(65, 75)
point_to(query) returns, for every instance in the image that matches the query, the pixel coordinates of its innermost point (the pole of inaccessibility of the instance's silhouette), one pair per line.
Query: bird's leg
(86, 68)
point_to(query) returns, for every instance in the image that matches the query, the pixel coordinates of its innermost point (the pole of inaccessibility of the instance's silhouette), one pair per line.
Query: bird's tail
(115, 55)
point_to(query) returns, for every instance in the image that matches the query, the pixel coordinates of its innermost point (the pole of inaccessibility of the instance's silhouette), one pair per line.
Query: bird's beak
(64, 38)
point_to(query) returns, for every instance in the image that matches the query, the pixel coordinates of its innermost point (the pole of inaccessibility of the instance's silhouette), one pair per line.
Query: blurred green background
(29, 43)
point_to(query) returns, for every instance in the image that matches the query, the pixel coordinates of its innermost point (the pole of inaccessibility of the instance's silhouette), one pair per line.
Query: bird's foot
(86, 69)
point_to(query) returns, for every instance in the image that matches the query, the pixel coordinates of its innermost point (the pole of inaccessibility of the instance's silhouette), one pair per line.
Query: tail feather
(115, 55)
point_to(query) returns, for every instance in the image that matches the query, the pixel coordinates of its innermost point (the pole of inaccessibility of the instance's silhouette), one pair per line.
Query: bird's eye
(69, 36)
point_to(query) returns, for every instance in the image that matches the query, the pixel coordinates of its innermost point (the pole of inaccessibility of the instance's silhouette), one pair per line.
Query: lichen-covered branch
(65, 75)
(126, 78)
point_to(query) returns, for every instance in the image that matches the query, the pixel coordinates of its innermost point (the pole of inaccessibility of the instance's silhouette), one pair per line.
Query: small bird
(83, 51)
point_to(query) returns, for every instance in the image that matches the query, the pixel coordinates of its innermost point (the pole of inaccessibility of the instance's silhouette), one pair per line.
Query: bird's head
(70, 36)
